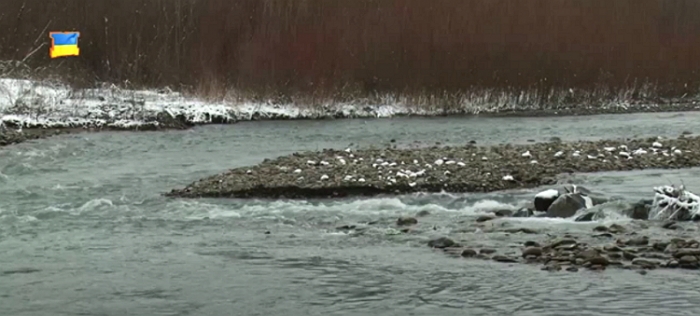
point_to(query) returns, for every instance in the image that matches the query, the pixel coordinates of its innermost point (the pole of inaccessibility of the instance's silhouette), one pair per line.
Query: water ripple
(84, 214)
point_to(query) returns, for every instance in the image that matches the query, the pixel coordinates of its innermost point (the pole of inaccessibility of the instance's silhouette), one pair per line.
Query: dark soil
(335, 173)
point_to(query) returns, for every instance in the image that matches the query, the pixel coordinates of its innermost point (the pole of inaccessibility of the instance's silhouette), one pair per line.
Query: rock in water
(568, 204)
(523, 212)
(671, 203)
(441, 243)
(544, 199)
(406, 221)
(639, 210)
(590, 215)
(572, 188)
(598, 199)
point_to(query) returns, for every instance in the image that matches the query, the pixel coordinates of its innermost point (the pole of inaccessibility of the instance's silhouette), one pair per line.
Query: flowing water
(85, 231)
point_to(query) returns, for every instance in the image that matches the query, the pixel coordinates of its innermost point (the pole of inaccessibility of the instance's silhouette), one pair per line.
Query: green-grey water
(84, 229)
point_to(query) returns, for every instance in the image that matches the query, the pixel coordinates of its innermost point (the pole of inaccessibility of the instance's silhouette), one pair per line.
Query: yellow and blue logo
(64, 44)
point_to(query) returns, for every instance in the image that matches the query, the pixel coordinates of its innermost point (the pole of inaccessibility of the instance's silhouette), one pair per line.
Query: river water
(84, 229)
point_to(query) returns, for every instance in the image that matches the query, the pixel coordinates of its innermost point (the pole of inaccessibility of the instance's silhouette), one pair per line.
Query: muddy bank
(10, 137)
(469, 168)
(12, 133)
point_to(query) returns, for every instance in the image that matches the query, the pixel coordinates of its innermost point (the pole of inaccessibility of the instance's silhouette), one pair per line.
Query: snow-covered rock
(674, 203)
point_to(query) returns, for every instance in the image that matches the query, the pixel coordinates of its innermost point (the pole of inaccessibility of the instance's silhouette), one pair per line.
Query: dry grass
(427, 52)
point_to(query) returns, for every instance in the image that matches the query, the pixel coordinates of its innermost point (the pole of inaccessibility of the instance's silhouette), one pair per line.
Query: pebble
(532, 251)
(502, 258)
(468, 253)
(487, 251)
(531, 243)
(405, 221)
(441, 243)
(484, 218)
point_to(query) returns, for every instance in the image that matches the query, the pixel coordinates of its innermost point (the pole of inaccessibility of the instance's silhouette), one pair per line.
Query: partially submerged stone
(568, 205)
(670, 203)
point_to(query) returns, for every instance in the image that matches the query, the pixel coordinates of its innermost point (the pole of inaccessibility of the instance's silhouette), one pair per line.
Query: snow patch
(30, 103)
(37, 104)
(548, 194)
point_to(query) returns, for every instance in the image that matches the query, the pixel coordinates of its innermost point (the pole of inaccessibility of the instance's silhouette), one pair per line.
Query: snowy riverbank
(34, 104)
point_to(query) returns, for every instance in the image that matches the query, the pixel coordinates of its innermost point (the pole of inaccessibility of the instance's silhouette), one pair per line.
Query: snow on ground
(31, 104)
(41, 104)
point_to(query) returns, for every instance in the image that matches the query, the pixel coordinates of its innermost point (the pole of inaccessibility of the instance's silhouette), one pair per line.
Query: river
(84, 229)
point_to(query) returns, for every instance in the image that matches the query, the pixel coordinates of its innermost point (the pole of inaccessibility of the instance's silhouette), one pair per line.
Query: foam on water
(371, 207)
(95, 205)
(486, 206)
(282, 208)
(328, 210)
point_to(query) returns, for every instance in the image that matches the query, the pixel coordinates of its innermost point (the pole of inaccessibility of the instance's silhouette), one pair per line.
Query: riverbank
(469, 168)
(52, 108)
(11, 137)
(37, 104)
(12, 133)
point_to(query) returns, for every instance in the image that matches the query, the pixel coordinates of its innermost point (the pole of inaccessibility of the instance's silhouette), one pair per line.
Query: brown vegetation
(341, 48)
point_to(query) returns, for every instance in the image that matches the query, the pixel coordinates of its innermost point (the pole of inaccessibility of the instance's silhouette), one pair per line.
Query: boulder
(168, 121)
(639, 210)
(544, 199)
(568, 204)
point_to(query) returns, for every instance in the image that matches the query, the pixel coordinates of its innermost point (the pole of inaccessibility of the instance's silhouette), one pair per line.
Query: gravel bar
(366, 172)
